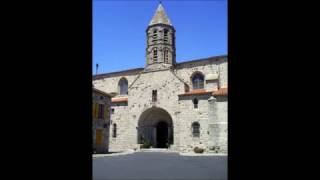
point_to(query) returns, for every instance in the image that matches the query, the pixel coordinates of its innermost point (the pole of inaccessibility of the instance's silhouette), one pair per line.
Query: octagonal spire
(160, 17)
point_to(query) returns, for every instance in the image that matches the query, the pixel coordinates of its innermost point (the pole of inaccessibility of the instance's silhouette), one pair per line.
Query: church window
(198, 81)
(195, 103)
(195, 129)
(123, 86)
(114, 130)
(165, 35)
(154, 36)
(155, 54)
(154, 95)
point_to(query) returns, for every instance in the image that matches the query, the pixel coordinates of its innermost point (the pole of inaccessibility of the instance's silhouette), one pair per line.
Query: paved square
(160, 165)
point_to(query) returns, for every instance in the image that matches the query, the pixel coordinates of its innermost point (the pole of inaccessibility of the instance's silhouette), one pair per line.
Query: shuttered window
(101, 111)
(99, 136)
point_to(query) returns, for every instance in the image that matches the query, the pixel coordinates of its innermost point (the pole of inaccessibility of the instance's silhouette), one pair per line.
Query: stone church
(172, 105)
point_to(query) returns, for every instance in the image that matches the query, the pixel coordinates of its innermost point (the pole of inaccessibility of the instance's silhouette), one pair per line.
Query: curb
(194, 154)
(114, 154)
(156, 150)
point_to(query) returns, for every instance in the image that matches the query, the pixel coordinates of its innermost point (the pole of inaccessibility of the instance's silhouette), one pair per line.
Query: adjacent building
(101, 103)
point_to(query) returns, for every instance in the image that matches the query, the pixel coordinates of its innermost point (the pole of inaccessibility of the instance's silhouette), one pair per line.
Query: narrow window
(101, 111)
(195, 103)
(114, 130)
(112, 111)
(123, 86)
(155, 54)
(195, 129)
(154, 95)
(154, 36)
(165, 35)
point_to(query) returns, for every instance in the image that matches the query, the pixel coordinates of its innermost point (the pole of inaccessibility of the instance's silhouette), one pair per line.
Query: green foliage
(145, 144)
(198, 150)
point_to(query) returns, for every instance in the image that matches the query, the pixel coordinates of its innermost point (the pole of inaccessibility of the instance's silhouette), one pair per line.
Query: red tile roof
(221, 92)
(116, 100)
(196, 92)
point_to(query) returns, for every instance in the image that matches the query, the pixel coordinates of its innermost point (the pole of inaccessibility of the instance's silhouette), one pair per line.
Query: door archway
(155, 126)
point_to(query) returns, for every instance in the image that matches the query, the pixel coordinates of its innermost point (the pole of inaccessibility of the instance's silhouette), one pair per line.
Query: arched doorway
(155, 126)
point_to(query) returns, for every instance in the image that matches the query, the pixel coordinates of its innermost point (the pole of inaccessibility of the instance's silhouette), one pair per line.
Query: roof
(212, 58)
(196, 92)
(160, 17)
(118, 100)
(219, 92)
(138, 70)
(124, 72)
(101, 92)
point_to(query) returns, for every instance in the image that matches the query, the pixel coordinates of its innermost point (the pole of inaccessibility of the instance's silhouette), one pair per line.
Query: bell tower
(161, 50)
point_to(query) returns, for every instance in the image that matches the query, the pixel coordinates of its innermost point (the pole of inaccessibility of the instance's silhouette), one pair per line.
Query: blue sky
(119, 37)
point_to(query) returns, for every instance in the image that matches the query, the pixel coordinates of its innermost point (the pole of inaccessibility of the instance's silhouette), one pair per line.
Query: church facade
(172, 105)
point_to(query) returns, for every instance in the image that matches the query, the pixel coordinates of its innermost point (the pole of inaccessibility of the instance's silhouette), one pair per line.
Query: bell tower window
(154, 36)
(165, 35)
(155, 55)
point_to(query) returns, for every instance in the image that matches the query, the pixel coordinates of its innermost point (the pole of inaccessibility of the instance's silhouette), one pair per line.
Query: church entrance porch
(155, 127)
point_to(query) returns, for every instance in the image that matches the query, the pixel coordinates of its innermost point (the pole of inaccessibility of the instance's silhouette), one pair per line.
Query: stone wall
(140, 98)
(121, 119)
(188, 115)
(110, 84)
(211, 66)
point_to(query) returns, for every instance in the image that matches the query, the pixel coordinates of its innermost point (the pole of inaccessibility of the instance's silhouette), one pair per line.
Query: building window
(101, 111)
(195, 129)
(198, 81)
(155, 55)
(123, 86)
(112, 111)
(154, 36)
(154, 95)
(165, 55)
(114, 130)
(195, 103)
(165, 35)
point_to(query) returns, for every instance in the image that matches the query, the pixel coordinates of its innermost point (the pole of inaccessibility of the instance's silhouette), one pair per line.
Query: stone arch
(156, 126)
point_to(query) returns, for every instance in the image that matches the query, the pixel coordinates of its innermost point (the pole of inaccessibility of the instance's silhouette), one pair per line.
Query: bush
(198, 150)
(145, 145)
